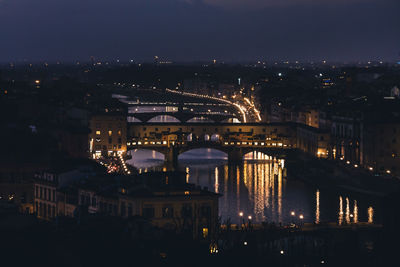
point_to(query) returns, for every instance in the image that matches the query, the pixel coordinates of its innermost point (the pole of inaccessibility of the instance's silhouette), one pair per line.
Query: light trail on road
(240, 108)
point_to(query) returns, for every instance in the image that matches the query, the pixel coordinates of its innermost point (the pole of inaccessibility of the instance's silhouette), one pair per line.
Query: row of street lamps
(292, 213)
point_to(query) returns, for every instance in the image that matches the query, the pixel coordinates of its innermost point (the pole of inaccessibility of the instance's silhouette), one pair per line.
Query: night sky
(190, 30)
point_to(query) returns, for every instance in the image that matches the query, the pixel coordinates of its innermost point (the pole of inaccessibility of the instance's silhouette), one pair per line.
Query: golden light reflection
(237, 189)
(355, 212)
(370, 215)
(216, 180)
(340, 210)
(262, 189)
(317, 207)
(272, 186)
(244, 172)
(347, 211)
(279, 193)
(226, 177)
(264, 183)
(267, 184)
(187, 174)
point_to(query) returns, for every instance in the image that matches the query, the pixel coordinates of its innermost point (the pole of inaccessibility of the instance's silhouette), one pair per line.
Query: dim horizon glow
(200, 30)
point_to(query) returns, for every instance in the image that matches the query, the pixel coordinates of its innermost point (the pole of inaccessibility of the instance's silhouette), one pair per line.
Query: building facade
(179, 207)
(107, 135)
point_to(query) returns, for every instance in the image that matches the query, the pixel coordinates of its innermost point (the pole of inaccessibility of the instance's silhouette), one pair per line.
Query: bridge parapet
(143, 143)
(234, 149)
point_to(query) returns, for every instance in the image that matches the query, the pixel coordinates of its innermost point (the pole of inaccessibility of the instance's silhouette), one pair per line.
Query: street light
(301, 216)
(249, 217)
(292, 213)
(241, 220)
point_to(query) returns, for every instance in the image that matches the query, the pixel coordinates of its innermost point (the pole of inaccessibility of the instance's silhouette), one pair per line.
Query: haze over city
(196, 30)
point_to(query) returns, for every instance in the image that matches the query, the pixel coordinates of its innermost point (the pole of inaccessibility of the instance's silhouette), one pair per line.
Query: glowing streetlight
(241, 214)
(249, 217)
(301, 217)
(292, 213)
(282, 252)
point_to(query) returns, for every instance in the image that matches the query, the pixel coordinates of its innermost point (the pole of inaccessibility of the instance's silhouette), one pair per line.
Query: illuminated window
(119, 132)
(98, 132)
(205, 232)
(187, 192)
(109, 133)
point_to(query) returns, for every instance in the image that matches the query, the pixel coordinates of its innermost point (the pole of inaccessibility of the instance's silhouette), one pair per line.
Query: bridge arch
(133, 119)
(146, 157)
(200, 119)
(231, 120)
(164, 119)
(203, 153)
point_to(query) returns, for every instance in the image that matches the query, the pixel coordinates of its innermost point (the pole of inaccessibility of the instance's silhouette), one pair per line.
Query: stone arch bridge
(236, 140)
(181, 116)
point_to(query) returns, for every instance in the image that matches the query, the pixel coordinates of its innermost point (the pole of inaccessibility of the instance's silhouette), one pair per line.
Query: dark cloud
(186, 30)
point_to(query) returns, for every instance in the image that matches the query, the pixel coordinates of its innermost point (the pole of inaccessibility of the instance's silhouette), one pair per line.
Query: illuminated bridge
(236, 140)
(181, 117)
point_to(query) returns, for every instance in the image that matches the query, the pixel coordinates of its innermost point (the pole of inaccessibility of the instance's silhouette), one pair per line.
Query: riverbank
(331, 174)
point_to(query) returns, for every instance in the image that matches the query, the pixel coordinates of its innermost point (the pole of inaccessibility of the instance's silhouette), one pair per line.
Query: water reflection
(347, 211)
(370, 215)
(340, 221)
(216, 180)
(260, 188)
(355, 212)
(317, 207)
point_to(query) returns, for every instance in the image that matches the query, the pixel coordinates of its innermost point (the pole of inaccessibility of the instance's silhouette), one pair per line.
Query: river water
(260, 188)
